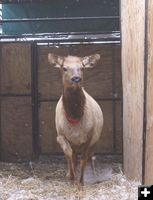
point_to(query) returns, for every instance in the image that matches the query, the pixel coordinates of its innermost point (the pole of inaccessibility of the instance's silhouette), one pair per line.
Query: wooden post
(133, 37)
(137, 76)
(148, 176)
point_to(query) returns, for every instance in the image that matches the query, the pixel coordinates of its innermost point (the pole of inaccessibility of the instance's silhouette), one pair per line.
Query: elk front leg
(72, 163)
(83, 161)
(69, 154)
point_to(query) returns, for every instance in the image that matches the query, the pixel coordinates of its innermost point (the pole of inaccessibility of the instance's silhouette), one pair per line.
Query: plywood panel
(15, 68)
(149, 134)
(16, 129)
(99, 77)
(47, 132)
(132, 18)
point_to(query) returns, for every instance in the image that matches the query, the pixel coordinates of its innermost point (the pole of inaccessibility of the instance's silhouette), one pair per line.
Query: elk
(79, 118)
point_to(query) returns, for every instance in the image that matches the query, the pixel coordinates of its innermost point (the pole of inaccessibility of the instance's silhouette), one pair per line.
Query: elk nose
(76, 79)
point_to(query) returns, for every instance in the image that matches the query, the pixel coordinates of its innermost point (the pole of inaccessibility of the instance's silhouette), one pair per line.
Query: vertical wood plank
(133, 24)
(149, 130)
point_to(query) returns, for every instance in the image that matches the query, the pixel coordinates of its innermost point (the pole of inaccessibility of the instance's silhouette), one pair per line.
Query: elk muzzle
(76, 79)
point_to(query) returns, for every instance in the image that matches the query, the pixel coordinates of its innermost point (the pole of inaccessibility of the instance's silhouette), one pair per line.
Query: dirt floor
(46, 180)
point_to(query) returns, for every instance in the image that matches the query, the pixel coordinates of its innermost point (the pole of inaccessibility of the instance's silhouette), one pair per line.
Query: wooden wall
(15, 104)
(16, 137)
(97, 81)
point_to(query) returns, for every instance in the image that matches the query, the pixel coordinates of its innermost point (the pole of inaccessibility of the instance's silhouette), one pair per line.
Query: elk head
(72, 67)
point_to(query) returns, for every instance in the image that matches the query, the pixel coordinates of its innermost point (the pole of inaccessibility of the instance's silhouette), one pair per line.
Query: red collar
(72, 121)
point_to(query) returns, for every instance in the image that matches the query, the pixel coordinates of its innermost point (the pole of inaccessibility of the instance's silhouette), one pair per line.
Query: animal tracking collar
(72, 121)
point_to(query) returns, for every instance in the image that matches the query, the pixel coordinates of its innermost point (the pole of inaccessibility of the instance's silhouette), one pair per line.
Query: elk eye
(64, 69)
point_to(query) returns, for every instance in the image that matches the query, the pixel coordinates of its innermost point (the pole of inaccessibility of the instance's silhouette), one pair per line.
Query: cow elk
(79, 119)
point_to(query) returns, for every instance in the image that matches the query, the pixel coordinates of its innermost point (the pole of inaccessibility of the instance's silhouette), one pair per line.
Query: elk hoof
(80, 185)
(70, 176)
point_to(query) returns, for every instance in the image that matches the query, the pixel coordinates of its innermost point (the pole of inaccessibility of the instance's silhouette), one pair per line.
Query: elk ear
(90, 61)
(55, 60)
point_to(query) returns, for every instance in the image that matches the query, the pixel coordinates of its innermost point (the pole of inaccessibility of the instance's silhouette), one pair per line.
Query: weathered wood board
(148, 176)
(132, 18)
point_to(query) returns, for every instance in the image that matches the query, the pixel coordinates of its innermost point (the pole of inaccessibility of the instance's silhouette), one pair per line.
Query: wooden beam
(133, 37)
(148, 178)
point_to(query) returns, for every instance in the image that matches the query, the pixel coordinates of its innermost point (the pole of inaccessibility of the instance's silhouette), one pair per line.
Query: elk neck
(73, 102)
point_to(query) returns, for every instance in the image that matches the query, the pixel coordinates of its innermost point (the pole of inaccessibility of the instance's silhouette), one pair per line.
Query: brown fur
(73, 102)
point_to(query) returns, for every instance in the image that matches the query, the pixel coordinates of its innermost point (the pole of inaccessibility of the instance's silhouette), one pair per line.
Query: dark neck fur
(73, 102)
